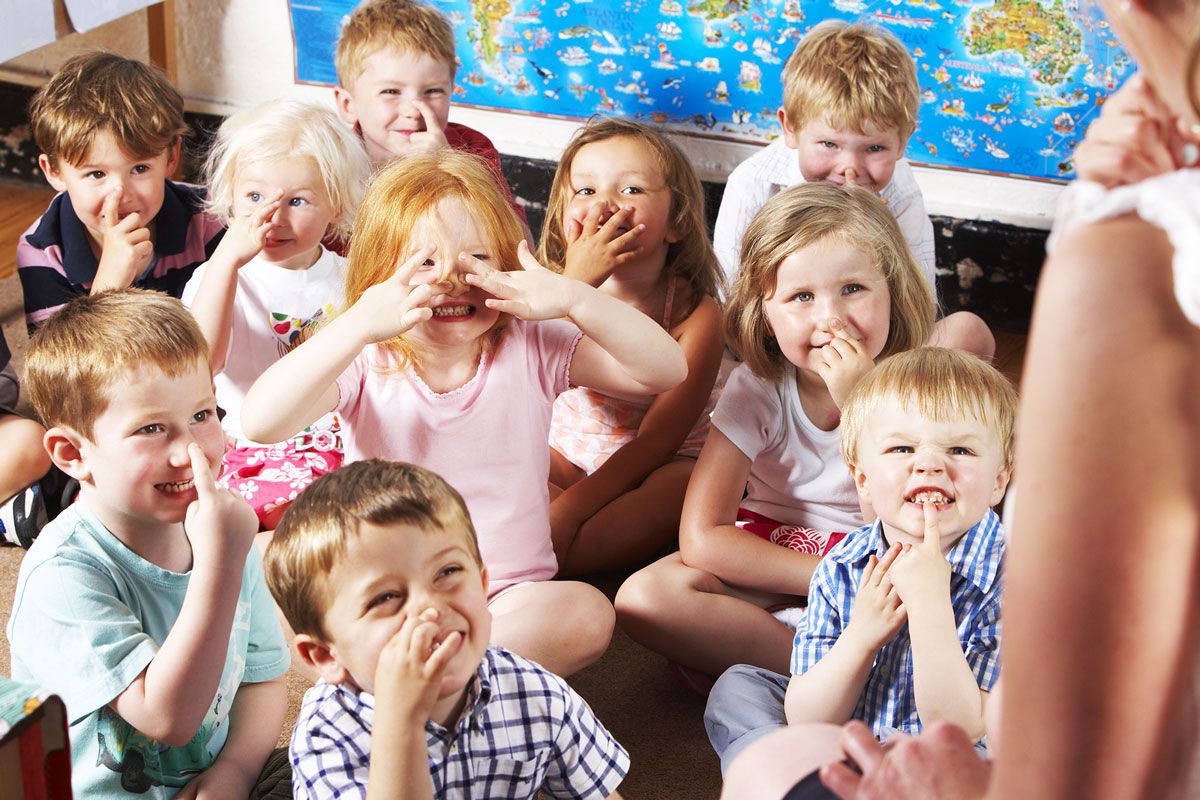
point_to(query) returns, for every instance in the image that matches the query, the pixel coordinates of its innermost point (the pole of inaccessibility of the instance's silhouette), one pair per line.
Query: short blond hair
(319, 527)
(403, 195)
(849, 75)
(691, 257)
(801, 216)
(402, 25)
(99, 91)
(96, 340)
(939, 383)
(289, 129)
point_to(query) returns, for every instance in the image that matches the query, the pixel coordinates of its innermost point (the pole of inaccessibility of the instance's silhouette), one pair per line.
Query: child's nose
(456, 277)
(929, 462)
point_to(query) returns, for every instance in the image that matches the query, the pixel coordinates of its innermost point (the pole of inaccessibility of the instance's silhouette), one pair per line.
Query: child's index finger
(409, 268)
(932, 535)
(108, 209)
(202, 475)
(431, 121)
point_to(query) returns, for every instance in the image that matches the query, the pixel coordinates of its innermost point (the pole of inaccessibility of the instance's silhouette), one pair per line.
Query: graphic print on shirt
(291, 331)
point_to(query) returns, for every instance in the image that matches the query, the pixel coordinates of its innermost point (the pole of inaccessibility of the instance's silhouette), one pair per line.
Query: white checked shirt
(522, 730)
(888, 701)
(776, 167)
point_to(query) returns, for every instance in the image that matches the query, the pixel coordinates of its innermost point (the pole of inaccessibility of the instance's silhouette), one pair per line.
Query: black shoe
(22, 517)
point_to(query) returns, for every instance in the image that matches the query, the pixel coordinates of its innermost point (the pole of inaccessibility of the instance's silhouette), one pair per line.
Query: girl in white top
(282, 176)
(451, 350)
(827, 286)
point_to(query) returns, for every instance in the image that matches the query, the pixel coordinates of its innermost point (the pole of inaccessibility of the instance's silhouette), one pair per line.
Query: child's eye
(852, 288)
(390, 91)
(827, 144)
(436, 90)
(803, 297)
(95, 175)
(585, 191)
(481, 256)
(297, 202)
(452, 569)
(876, 148)
(632, 190)
(202, 416)
(141, 169)
(961, 451)
(427, 264)
(899, 448)
(253, 197)
(384, 597)
(151, 429)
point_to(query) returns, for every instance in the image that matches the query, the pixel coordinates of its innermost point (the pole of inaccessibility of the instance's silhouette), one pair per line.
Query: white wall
(234, 53)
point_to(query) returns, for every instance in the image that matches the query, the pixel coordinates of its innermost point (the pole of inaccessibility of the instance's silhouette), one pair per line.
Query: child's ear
(483, 574)
(321, 658)
(344, 101)
(790, 137)
(1001, 485)
(53, 176)
(860, 481)
(65, 447)
(173, 157)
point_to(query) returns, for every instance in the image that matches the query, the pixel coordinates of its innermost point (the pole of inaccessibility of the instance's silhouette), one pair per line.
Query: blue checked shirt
(888, 701)
(522, 730)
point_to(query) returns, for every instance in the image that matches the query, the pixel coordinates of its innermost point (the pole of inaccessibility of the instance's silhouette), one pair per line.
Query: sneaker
(22, 517)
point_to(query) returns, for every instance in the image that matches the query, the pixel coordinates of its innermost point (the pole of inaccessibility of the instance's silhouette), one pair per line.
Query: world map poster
(1007, 86)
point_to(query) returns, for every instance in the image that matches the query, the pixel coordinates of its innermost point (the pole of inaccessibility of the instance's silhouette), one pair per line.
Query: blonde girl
(282, 176)
(451, 350)
(626, 215)
(827, 287)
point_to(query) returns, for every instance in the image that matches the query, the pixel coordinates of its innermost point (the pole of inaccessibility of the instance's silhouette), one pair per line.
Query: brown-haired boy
(109, 130)
(377, 569)
(850, 101)
(143, 603)
(395, 64)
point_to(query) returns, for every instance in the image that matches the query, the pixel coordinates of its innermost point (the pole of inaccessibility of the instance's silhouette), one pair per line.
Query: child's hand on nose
(851, 176)
(126, 249)
(844, 362)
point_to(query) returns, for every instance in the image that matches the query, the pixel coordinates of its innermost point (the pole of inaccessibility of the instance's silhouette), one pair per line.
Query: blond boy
(109, 130)
(902, 626)
(377, 569)
(395, 63)
(850, 101)
(143, 604)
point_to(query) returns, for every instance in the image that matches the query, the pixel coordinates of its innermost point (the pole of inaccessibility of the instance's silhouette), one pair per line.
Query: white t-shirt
(797, 475)
(776, 167)
(271, 311)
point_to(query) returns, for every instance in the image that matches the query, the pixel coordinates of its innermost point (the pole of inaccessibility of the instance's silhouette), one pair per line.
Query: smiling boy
(902, 626)
(377, 569)
(143, 603)
(110, 130)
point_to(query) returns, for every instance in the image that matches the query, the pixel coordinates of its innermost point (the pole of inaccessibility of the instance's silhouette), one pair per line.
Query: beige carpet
(629, 688)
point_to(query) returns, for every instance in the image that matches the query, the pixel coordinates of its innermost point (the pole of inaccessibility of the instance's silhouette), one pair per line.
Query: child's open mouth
(935, 496)
(453, 312)
(176, 487)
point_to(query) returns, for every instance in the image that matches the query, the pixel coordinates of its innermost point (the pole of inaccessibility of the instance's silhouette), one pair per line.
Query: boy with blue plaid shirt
(902, 626)
(377, 569)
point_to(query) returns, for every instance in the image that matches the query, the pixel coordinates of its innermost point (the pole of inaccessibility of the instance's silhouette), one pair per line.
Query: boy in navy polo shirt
(109, 130)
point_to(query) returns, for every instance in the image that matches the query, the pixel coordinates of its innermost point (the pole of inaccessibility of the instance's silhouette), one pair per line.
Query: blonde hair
(801, 216)
(96, 340)
(939, 383)
(289, 129)
(400, 198)
(402, 25)
(319, 526)
(99, 91)
(849, 75)
(691, 257)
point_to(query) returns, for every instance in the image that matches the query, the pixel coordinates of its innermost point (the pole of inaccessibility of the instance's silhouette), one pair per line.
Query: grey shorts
(9, 390)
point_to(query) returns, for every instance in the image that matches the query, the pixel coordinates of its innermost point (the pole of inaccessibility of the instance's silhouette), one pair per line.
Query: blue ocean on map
(1007, 86)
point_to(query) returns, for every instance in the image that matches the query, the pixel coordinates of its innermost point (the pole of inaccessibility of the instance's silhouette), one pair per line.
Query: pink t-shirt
(487, 438)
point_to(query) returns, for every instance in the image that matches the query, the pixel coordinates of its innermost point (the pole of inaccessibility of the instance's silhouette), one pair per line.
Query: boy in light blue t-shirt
(143, 605)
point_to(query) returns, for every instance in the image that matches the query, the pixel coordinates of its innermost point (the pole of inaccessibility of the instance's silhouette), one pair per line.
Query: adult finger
(860, 746)
(841, 780)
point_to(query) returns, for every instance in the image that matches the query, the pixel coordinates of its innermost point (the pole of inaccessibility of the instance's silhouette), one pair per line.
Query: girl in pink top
(451, 350)
(626, 215)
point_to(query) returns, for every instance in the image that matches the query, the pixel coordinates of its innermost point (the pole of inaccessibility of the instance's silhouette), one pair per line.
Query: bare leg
(701, 622)
(562, 625)
(775, 763)
(965, 331)
(632, 528)
(1100, 628)
(562, 472)
(25, 459)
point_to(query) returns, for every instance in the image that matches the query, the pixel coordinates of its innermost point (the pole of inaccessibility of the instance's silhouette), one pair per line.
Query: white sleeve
(748, 412)
(742, 199)
(904, 198)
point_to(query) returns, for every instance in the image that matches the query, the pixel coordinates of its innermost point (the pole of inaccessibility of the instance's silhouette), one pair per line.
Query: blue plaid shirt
(888, 701)
(522, 730)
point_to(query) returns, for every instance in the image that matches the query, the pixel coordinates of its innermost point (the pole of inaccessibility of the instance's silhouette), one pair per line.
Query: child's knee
(642, 595)
(965, 331)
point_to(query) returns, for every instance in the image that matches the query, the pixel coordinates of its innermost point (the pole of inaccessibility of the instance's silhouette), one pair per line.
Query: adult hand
(393, 306)
(532, 292)
(844, 362)
(596, 246)
(125, 250)
(921, 573)
(940, 764)
(433, 138)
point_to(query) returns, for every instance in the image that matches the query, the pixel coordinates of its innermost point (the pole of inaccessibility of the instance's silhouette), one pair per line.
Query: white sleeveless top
(1170, 202)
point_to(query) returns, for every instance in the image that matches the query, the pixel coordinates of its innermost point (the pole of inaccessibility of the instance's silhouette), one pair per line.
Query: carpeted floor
(630, 689)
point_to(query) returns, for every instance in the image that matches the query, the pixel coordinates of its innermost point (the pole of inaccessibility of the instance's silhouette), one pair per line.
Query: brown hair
(402, 25)
(96, 340)
(803, 215)
(105, 92)
(691, 257)
(320, 525)
(405, 193)
(848, 75)
(940, 383)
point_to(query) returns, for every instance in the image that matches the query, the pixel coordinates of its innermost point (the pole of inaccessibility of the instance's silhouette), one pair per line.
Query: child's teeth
(452, 311)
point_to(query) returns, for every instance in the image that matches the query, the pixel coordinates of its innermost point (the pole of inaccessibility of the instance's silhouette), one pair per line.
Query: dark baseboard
(989, 268)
